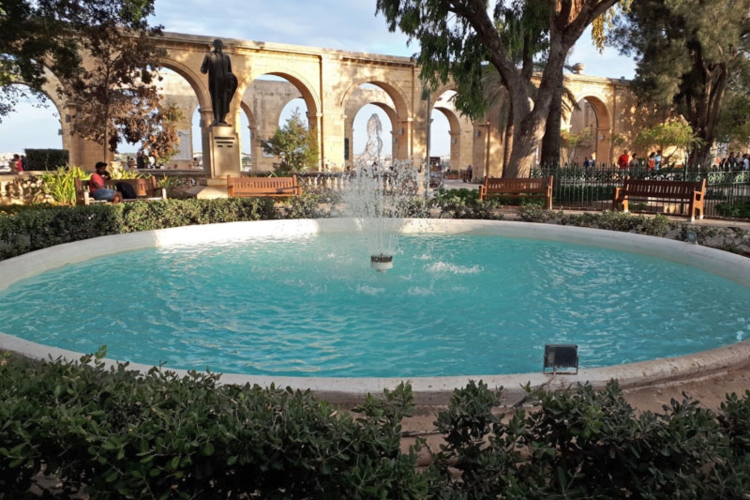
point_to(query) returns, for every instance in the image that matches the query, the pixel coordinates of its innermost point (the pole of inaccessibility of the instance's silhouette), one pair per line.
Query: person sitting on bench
(96, 185)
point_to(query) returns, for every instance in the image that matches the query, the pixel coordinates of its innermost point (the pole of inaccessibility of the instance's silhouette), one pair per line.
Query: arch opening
(269, 102)
(35, 123)
(589, 131)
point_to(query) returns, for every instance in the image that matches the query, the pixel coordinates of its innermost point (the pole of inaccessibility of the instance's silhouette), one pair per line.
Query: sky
(337, 24)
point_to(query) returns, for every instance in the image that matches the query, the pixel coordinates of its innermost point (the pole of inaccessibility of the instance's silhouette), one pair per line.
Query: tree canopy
(39, 34)
(686, 52)
(294, 144)
(116, 92)
(458, 38)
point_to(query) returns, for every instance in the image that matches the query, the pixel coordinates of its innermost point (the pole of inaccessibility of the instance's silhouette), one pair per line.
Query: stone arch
(353, 111)
(460, 129)
(182, 87)
(66, 117)
(394, 91)
(306, 92)
(603, 132)
(254, 137)
(50, 95)
(312, 100)
(400, 114)
(195, 80)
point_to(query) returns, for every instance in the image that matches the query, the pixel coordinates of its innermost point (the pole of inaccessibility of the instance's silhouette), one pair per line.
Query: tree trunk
(509, 130)
(704, 115)
(551, 143)
(530, 125)
(568, 20)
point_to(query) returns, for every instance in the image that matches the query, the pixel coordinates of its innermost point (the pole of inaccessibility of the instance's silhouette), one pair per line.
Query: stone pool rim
(427, 390)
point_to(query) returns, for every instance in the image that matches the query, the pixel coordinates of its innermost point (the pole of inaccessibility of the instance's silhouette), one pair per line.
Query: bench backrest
(82, 186)
(262, 185)
(662, 189)
(524, 185)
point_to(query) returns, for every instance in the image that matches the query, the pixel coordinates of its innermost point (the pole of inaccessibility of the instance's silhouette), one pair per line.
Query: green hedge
(46, 159)
(116, 433)
(119, 434)
(34, 229)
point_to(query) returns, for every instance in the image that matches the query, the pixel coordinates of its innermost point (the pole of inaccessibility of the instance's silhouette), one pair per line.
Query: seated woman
(96, 185)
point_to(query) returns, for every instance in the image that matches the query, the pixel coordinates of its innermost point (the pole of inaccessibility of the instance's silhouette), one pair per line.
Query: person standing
(657, 160)
(624, 160)
(97, 185)
(633, 161)
(140, 162)
(17, 164)
(651, 160)
(222, 84)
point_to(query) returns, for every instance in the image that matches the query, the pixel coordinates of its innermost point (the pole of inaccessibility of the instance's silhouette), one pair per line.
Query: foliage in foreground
(116, 433)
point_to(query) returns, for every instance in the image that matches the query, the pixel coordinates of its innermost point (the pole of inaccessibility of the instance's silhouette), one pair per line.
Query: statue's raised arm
(222, 84)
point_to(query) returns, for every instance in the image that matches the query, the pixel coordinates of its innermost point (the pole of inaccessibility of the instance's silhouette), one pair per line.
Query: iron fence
(594, 188)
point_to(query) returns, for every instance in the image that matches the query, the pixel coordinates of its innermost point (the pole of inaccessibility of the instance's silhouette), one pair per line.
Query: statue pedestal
(221, 157)
(223, 151)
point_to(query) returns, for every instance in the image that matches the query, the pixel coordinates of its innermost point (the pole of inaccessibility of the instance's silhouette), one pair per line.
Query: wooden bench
(146, 189)
(275, 187)
(691, 193)
(465, 174)
(518, 188)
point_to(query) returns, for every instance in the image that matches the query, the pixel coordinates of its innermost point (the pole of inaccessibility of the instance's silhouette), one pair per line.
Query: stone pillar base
(224, 152)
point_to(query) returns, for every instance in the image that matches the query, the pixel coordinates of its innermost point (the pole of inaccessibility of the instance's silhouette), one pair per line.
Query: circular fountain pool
(298, 298)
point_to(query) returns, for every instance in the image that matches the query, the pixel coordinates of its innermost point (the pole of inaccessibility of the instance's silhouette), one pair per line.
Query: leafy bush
(307, 206)
(659, 225)
(46, 159)
(466, 195)
(117, 433)
(583, 443)
(463, 204)
(740, 210)
(60, 184)
(30, 230)
(535, 213)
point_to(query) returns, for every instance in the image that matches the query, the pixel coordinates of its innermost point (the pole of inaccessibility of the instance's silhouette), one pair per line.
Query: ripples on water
(311, 306)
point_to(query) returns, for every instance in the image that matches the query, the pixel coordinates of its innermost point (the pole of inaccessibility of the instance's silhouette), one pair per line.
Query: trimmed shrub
(29, 230)
(46, 159)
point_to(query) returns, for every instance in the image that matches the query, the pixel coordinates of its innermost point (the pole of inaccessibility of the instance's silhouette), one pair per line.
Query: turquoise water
(311, 306)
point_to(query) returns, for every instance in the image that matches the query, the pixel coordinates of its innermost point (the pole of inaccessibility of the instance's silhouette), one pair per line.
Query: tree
(294, 144)
(458, 36)
(35, 35)
(686, 53)
(733, 128)
(116, 94)
(676, 136)
(571, 142)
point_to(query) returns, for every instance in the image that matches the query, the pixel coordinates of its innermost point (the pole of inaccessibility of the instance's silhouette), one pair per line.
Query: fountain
(443, 315)
(379, 199)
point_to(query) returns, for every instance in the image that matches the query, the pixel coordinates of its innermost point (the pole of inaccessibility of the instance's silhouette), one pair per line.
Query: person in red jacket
(96, 185)
(624, 160)
(17, 164)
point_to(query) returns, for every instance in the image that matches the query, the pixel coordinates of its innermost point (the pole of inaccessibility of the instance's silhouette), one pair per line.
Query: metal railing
(594, 188)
